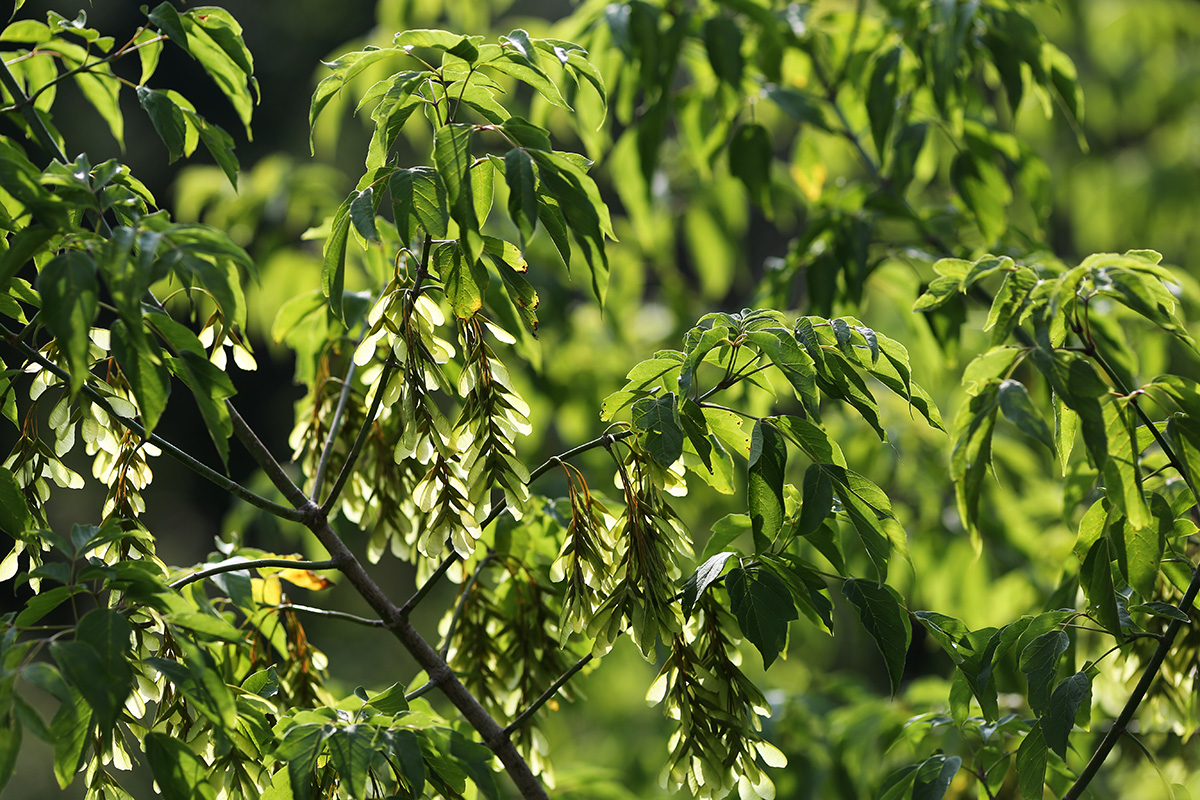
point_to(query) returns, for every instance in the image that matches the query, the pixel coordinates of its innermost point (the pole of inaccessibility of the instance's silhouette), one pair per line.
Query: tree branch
(248, 564)
(326, 612)
(204, 471)
(546, 695)
(385, 377)
(1121, 724)
(334, 426)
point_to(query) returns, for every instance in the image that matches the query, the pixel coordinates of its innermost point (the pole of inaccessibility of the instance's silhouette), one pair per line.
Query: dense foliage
(797, 230)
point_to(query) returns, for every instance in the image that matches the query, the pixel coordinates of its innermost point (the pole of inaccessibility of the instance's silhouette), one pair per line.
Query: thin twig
(444, 652)
(426, 587)
(204, 471)
(546, 695)
(325, 612)
(421, 690)
(385, 377)
(239, 566)
(334, 427)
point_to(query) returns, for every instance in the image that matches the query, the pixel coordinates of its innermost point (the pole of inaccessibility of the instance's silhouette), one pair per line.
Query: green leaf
(1068, 696)
(333, 271)
(723, 43)
(695, 427)
(1010, 304)
(884, 617)
(214, 40)
(87, 671)
(68, 288)
(881, 97)
(750, 156)
(1039, 662)
(724, 532)
(102, 90)
(264, 683)
(768, 461)
(659, 431)
(705, 575)
(10, 746)
(763, 607)
(211, 387)
(419, 194)
(1031, 765)
(1018, 409)
(463, 47)
(167, 118)
(362, 214)
(984, 190)
(814, 441)
(934, 776)
(511, 65)
(180, 775)
(299, 749)
(218, 143)
(390, 700)
(463, 281)
(71, 731)
(143, 367)
(351, 749)
(582, 211)
(452, 155)
(15, 518)
(793, 361)
(522, 192)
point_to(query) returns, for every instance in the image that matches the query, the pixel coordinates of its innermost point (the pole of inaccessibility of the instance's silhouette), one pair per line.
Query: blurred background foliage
(694, 238)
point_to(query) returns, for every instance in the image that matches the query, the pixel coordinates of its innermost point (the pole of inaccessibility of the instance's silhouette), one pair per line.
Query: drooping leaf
(522, 192)
(452, 155)
(768, 461)
(1070, 694)
(69, 291)
(180, 775)
(1031, 764)
(659, 429)
(763, 607)
(704, 576)
(884, 617)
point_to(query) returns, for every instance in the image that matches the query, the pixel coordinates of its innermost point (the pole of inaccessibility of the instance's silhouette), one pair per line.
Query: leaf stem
(239, 566)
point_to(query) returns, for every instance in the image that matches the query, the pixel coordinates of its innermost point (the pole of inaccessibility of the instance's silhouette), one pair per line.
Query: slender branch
(204, 471)
(546, 695)
(427, 587)
(462, 602)
(1150, 672)
(420, 691)
(239, 566)
(385, 377)
(334, 427)
(262, 456)
(440, 674)
(1121, 724)
(325, 612)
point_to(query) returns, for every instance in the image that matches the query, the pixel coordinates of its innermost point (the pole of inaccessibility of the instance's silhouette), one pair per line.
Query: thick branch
(493, 736)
